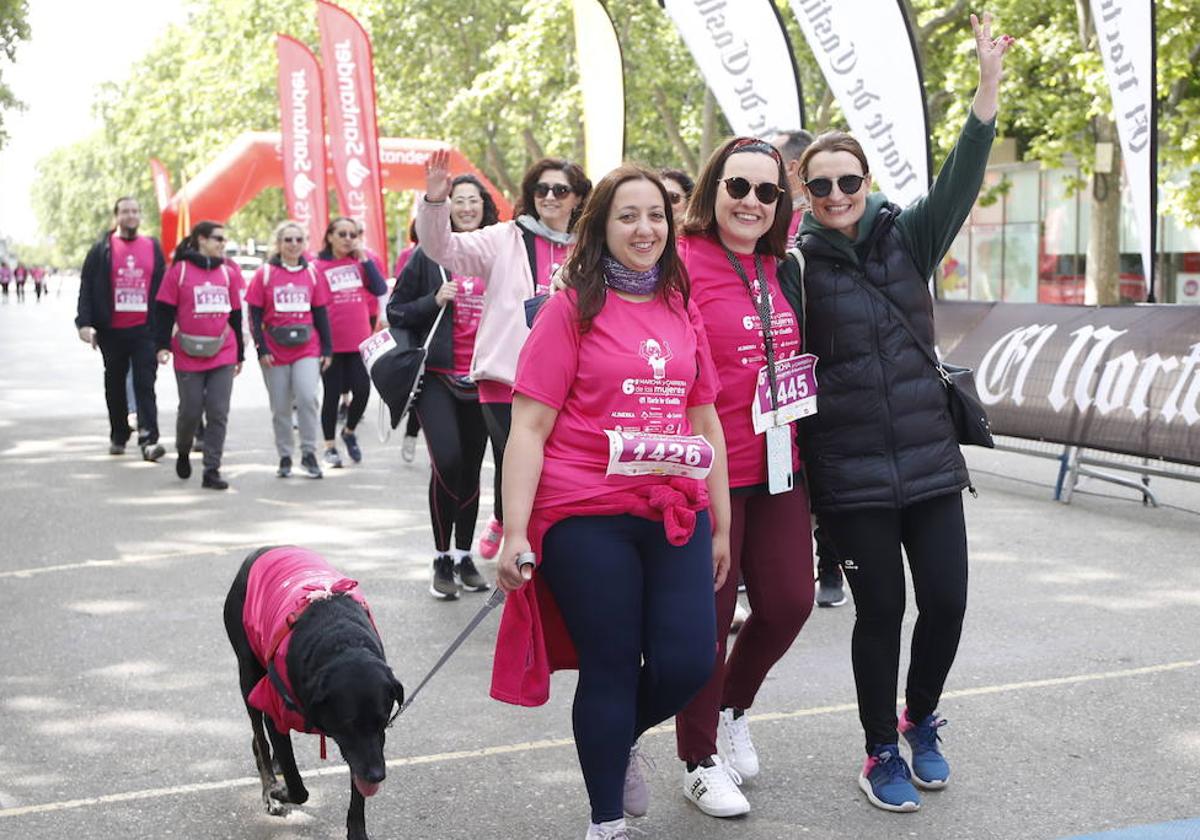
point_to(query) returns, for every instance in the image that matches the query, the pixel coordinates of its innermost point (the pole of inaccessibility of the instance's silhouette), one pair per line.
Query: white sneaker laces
(721, 776)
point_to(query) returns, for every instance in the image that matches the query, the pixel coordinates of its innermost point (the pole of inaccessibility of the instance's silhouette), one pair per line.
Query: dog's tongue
(366, 788)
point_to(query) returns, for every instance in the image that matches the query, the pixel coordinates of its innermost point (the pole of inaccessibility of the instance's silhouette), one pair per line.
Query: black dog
(335, 680)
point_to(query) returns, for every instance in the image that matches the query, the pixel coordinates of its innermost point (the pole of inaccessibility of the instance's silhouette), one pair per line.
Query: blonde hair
(273, 251)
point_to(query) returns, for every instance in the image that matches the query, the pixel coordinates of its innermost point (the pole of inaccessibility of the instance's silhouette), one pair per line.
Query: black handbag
(967, 413)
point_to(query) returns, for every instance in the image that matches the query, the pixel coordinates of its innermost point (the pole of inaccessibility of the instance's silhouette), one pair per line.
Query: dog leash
(494, 600)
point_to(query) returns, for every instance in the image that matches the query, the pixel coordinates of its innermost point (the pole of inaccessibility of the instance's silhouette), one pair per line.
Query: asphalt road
(1074, 707)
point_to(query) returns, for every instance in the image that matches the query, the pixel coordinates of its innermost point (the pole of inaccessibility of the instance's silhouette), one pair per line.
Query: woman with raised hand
(201, 293)
(290, 326)
(516, 259)
(351, 279)
(615, 481)
(448, 405)
(736, 231)
(883, 462)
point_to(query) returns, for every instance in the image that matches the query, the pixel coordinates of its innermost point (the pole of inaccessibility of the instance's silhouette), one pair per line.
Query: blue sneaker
(885, 780)
(929, 767)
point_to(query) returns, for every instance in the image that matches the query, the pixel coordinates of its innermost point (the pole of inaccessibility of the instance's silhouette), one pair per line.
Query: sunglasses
(674, 197)
(215, 238)
(848, 184)
(347, 234)
(292, 240)
(739, 188)
(542, 189)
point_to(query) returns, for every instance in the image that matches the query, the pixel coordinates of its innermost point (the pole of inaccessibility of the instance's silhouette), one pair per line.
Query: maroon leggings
(771, 547)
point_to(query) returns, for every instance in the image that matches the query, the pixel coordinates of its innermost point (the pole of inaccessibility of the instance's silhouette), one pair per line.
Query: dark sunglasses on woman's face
(215, 237)
(848, 184)
(292, 240)
(739, 188)
(542, 189)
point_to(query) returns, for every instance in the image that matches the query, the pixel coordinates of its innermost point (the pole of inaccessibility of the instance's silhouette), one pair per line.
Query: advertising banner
(866, 51)
(602, 79)
(349, 76)
(302, 124)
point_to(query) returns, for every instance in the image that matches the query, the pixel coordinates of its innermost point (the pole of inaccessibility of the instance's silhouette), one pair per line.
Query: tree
(14, 28)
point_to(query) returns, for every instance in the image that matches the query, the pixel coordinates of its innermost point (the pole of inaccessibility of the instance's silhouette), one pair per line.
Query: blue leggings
(641, 613)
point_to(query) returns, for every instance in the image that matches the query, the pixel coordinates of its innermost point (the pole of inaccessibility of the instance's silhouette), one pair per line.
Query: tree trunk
(687, 159)
(1103, 284)
(708, 126)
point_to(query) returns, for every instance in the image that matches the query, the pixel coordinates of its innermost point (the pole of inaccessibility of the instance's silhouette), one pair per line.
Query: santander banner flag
(743, 53)
(866, 52)
(353, 132)
(302, 120)
(1124, 31)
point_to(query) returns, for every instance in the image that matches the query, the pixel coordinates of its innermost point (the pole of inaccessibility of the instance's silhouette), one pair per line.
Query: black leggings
(642, 616)
(346, 373)
(456, 438)
(868, 543)
(498, 417)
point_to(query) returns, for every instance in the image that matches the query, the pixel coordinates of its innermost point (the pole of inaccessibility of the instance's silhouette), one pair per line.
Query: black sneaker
(115, 448)
(831, 589)
(469, 576)
(343, 412)
(285, 467)
(183, 465)
(443, 585)
(308, 463)
(152, 451)
(213, 481)
(351, 441)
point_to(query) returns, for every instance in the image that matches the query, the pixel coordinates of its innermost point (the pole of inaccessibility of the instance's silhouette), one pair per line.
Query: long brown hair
(584, 271)
(573, 172)
(702, 209)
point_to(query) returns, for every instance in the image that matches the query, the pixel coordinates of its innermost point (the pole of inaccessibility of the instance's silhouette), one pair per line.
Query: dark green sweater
(930, 223)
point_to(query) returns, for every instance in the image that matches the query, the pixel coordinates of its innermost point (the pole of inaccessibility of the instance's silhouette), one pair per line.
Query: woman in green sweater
(882, 460)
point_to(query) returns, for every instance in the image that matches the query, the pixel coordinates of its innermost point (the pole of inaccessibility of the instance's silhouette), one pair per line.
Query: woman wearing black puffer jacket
(881, 457)
(448, 406)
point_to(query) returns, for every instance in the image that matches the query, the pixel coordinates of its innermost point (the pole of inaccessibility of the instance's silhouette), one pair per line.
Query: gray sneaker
(332, 458)
(308, 463)
(469, 576)
(152, 451)
(831, 590)
(637, 792)
(443, 585)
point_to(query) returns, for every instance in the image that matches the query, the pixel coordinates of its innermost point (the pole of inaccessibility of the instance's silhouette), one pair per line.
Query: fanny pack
(201, 346)
(462, 387)
(291, 335)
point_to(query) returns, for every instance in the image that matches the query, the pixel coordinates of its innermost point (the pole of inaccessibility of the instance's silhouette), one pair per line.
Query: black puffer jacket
(413, 308)
(94, 308)
(882, 436)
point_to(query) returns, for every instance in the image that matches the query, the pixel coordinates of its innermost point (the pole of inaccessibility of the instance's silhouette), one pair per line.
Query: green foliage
(14, 27)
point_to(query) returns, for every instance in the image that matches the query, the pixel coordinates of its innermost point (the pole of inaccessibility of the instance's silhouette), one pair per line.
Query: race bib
(129, 299)
(637, 453)
(211, 300)
(344, 278)
(795, 393)
(373, 348)
(291, 298)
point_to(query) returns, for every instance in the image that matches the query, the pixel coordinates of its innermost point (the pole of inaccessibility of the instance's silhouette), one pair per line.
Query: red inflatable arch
(254, 162)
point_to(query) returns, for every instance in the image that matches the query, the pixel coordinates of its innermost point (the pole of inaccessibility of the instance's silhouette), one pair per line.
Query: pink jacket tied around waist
(532, 640)
(284, 582)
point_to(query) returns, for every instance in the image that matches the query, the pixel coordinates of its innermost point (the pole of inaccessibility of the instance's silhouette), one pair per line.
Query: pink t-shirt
(132, 269)
(550, 257)
(287, 296)
(638, 369)
(735, 336)
(349, 305)
(468, 307)
(203, 299)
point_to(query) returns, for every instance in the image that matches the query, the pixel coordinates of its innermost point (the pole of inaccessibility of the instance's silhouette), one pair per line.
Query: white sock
(611, 824)
(459, 553)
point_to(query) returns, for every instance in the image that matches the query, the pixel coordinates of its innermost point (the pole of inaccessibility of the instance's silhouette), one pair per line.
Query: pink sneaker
(489, 543)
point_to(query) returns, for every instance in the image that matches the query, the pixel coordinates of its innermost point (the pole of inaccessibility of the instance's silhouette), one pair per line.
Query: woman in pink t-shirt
(290, 326)
(516, 260)
(736, 230)
(201, 294)
(615, 479)
(351, 278)
(448, 406)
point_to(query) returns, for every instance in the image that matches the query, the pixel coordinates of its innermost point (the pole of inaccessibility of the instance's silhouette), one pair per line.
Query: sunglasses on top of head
(739, 188)
(848, 184)
(542, 189)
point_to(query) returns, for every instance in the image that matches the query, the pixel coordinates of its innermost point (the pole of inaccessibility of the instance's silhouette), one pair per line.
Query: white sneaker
(734, 744)
(408, 449)
(612, 830)
(714, 790)
(740, 614)
(637, 792)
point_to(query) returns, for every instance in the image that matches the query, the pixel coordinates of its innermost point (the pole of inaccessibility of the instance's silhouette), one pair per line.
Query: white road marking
(535, 746)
